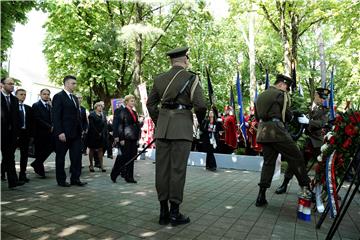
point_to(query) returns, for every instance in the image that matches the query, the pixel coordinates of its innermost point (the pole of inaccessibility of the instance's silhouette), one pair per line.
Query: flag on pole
(267, 80)
(241, 110)
(301, 91)
(210, 88)
(331, 100)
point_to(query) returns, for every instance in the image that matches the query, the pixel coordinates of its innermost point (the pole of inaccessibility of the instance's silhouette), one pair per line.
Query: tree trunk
(138, 49)
(252, 56)
(320, 41)
(281, 6)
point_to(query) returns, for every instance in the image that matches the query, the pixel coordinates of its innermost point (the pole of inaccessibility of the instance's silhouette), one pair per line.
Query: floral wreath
(340, 146)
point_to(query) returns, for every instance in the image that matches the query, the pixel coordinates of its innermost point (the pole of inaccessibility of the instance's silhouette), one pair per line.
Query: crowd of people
(63, 125)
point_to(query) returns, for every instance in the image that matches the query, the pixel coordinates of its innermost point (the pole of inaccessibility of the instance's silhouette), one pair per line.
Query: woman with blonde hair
(96, 136)
(127, 131)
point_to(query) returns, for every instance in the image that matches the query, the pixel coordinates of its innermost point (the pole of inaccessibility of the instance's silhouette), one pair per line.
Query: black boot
(261, 199)
(282, 189)
(22, 177)
(176, 218)
(164, 213)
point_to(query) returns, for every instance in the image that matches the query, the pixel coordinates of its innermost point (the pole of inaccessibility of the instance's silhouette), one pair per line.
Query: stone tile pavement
(220, 205)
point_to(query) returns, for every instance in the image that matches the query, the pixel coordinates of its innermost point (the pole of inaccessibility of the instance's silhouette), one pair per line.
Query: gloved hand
(303, 119)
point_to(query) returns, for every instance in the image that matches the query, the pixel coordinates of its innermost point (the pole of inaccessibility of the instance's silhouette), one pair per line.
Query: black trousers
(8, 147)
(74, 148)
(291, 154)
(23, 143)
(129, 150)
(44, 146)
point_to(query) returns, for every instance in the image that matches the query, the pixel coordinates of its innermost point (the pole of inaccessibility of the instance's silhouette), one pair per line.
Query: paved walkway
(220, 205)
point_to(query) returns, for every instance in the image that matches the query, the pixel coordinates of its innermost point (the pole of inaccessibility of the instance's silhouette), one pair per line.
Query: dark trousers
(61, 148)
(44, 146)
(128, 151)
(23, 144)
(170, 169)
(291, 153)
(8, 147)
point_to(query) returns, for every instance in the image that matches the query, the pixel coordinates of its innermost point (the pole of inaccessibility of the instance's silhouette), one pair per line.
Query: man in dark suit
(43, 131)
(10, 127)
(67, 132)
(26, 125)
(272, 110)
(178, 91)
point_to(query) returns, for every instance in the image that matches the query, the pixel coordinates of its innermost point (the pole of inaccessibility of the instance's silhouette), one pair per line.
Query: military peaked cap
(177, 52)
(323, 92)
(285, 79)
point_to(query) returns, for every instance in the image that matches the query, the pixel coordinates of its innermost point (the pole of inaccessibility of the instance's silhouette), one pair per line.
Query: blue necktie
(22, 117)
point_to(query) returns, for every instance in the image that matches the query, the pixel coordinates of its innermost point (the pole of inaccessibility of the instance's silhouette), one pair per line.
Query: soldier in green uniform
(170, 101)
(318, 120)
(272, 110)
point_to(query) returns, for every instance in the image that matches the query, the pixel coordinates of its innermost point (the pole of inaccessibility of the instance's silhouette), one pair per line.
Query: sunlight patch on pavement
(29, 212)
(125, 203)
(147, 234)
(71, 230)
(78, 217)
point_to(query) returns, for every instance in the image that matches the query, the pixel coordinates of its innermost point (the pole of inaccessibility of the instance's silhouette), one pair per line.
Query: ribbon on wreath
(331, 185)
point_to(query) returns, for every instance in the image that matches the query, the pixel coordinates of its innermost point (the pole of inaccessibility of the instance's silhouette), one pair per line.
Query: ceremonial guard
(178, 91)
(315, 131)
(272, 110)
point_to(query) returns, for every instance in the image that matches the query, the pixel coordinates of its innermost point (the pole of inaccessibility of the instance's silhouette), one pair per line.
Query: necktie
(47, 106)
(72, 98)
(22, 116)
(8, 102)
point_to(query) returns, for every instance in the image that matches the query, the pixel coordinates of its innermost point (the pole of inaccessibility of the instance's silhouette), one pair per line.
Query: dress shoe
(130, 180)
(91, 169)
(39, 170)
(24, 178)
(261, 199)
(18, 183)
(64, 184)
(78, 183)
(3, 178)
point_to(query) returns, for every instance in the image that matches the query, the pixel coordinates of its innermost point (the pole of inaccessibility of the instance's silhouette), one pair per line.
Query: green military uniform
(174, 127)
(272, 111)
(318, 116)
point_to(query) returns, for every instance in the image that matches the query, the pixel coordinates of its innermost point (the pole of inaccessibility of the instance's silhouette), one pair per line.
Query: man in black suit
(43, 131)
(10, 127)
(67, 131)
(26, 125)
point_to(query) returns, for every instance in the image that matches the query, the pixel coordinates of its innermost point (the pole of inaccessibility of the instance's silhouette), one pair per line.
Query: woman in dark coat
(96, 136)
(127, 131)
(210, 139)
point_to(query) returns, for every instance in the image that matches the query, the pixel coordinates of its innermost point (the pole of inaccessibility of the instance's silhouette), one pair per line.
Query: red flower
(347, 143)
(350, 130)
(332, 140)
(357, 116)
(336, 128)
(352, 118)
(339, 118)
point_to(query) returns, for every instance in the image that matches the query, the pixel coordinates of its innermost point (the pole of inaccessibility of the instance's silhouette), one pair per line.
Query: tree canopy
(112, 46)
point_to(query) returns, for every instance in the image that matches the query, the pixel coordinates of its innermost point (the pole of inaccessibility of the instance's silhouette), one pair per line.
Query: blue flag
(241, 110)
(267, 80)
(331, 100)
